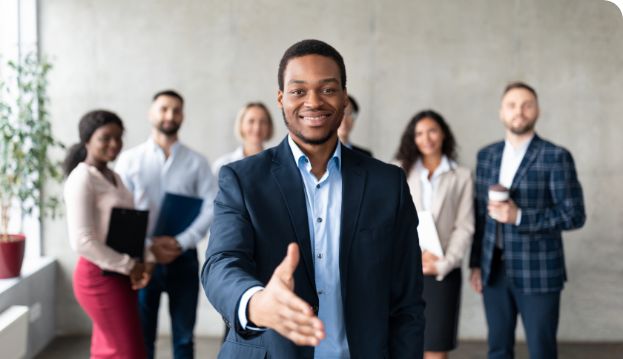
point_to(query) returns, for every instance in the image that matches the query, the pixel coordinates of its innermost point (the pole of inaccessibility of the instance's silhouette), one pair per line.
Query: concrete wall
(401, 56)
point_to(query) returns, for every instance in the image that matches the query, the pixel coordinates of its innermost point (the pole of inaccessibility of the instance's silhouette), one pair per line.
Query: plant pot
(11, 255)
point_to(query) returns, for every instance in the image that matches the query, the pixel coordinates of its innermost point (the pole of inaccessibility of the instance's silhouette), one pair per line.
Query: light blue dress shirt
(323, 199)
(149, 174)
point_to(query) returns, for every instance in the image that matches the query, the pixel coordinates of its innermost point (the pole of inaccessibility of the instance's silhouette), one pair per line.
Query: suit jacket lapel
(415, 187)
(528, 158)
(290, 183)
(440, 193)
(353, 184)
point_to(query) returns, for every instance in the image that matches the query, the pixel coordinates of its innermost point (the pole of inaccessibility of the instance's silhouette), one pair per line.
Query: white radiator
(14, 332)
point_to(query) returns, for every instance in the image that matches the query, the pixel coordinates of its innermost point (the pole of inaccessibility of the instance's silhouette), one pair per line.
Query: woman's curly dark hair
(408, 153)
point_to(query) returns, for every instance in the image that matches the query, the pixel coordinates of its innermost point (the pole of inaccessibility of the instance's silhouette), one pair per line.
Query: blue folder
(177, 213)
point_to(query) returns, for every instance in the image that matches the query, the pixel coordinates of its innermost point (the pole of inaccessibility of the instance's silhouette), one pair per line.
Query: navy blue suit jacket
(547, 190)
(260, 209)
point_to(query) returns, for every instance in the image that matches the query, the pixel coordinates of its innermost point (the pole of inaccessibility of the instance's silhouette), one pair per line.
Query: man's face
(166, 114)
(313, 100)
(519, 111)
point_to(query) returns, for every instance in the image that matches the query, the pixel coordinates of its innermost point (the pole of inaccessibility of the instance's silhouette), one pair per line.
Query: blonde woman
(253, 127)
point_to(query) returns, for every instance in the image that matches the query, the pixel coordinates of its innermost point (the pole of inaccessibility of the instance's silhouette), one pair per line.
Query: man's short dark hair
(311, 47)
(520, 85)
(170, 93)
(354, 106)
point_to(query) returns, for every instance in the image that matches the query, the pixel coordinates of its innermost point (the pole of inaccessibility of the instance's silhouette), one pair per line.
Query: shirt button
(318, 186)
(318, 219)
(319, 256)
(320, 292)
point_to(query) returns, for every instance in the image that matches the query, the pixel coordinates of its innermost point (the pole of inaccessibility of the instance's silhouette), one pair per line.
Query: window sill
(36, 289)
(30, 267)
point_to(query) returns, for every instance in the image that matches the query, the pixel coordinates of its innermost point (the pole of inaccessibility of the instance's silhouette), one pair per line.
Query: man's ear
(280, 99)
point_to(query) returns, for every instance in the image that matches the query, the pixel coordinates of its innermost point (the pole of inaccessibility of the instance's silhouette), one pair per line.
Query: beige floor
(207, 348)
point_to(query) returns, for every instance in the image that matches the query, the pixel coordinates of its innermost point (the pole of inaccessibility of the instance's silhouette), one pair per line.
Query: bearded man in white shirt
(164, 165)
(517, 254)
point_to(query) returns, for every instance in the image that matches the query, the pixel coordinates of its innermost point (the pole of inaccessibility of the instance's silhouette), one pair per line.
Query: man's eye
(328, 91)
(297, 92)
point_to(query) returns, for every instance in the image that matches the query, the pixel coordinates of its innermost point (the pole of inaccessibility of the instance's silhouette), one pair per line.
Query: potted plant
(25, 139)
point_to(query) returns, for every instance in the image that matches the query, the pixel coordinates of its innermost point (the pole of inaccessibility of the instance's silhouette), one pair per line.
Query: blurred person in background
(253, 128)
(517, 256)
(348, 122)
(158, 166)
(92, 189)
(443, 189)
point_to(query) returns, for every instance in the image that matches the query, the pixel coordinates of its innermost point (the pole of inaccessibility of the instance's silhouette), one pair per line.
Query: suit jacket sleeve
(567, 210)
(480, 212)
(406, 321)
(230, 267)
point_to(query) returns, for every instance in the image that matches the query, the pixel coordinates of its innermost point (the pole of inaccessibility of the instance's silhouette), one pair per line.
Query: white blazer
(453, 211)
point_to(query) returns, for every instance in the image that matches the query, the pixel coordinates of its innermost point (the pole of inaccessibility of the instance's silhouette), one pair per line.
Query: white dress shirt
(511, 160)
(429, 186)
(148, 174)
(228, 158)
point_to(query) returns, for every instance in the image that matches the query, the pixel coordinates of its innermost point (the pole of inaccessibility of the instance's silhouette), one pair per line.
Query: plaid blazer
(547, 190)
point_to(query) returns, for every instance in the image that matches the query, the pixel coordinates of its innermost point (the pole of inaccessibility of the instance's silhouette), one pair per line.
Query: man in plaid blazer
(517, 255)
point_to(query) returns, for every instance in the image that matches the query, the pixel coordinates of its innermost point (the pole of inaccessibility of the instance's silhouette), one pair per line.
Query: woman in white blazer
(253, 127)
(444, 189)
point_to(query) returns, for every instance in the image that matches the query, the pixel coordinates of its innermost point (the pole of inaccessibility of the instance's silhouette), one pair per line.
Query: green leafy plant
(25, 140)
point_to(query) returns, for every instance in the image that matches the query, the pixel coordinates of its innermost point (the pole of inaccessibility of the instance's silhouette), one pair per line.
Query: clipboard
(177, 213)
(127, 230)
(427, 233)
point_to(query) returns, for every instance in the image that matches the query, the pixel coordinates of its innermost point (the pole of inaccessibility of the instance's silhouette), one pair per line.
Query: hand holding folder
(427, 234)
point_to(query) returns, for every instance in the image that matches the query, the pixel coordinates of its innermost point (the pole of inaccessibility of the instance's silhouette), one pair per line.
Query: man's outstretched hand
(278, 308)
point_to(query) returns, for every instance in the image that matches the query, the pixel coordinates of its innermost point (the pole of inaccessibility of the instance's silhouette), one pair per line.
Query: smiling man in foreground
(314, 250)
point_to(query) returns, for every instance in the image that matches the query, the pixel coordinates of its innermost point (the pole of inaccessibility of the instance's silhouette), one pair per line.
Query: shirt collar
(153, 146)
(444, 166)
(239, 152)
(519, 150)
(300, 157)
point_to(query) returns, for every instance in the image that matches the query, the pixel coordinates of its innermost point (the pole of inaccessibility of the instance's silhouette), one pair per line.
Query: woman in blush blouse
(444, 189)
(91, 191)
(253, 127)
